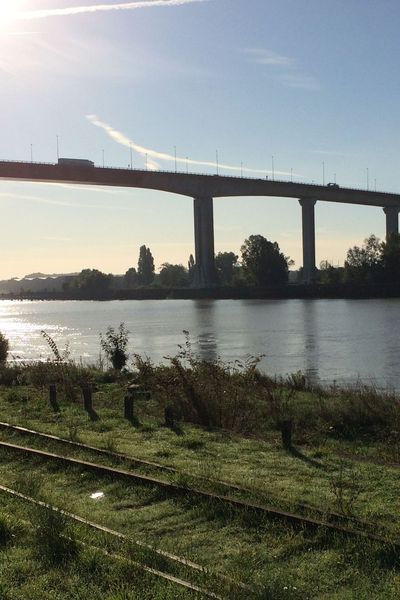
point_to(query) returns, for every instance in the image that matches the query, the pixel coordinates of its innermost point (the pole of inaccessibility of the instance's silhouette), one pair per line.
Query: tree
(226, 264)
(390, 256)
(145, 266)
(4, 345)
(91, 283)
(131, 278)
(173, 276)
(328, 273)
(365, 264)
(114, 344)
(263, 263)
(191, 268)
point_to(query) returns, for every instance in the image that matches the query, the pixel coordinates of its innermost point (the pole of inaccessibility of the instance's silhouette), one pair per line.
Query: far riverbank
(284, 292)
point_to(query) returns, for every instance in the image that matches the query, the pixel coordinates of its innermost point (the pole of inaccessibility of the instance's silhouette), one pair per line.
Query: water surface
(330, 340)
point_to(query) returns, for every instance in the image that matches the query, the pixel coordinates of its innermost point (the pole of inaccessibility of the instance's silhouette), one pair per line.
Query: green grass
(278, 560)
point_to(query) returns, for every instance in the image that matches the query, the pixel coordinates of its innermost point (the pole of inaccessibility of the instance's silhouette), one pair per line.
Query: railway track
(146, 464)
(264, 511)
(193, 587)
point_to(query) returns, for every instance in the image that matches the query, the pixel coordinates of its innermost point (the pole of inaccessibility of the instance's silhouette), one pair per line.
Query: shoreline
(287, 292)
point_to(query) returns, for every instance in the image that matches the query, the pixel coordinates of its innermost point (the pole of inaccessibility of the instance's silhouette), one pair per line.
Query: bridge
(203, 189)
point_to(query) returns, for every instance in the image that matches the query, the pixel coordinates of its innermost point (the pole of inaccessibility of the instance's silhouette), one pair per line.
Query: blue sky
(305, 81)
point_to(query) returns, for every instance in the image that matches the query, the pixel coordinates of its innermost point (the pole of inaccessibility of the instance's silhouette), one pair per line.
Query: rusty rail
(232, 487)
(117, 534)
(175, 489)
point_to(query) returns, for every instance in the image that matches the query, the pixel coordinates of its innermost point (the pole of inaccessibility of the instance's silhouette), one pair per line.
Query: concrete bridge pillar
(205, 273)
(392, 220)
(308, 223)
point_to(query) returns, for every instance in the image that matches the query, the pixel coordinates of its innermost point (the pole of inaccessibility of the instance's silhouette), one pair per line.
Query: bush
(218, 394)
(4, 346)
(114, 344)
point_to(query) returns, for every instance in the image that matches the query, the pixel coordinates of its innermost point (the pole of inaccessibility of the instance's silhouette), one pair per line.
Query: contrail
(79, 10)
(153, 156)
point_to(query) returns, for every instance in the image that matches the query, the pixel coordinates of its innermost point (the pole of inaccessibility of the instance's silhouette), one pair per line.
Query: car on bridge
(331, 184)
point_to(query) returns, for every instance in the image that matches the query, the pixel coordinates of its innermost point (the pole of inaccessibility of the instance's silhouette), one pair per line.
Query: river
(330, 340)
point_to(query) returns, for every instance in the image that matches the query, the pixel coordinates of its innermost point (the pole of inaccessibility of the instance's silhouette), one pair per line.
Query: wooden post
(53, 397)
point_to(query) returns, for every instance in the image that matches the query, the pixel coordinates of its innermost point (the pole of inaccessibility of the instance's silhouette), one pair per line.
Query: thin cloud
(79, 10)
(38, 199)
(297, 81)
(82, 187)
(153, 156)
(267, 57)
(330, 153)
(290, 75)
(19, 33)
(41, 200)
(57, 238)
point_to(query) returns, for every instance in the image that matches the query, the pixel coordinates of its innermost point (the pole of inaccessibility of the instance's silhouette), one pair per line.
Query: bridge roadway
(203, 188)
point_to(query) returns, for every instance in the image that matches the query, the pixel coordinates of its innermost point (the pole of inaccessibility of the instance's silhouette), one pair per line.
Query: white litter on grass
(97, 495)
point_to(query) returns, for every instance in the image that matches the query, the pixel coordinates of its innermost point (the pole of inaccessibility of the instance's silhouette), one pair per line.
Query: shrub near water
(115, 344)
(212, 394)
(236, 396)
(4, 347)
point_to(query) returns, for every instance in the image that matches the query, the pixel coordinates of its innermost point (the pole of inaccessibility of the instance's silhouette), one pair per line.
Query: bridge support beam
(392, 220)
(205, 273)
(308, 226)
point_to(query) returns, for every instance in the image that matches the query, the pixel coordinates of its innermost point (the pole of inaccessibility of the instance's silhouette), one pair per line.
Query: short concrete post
(53, 397)
(286, 429)
(128, 407)
(87, 398)
(169, 417)
(129, 403)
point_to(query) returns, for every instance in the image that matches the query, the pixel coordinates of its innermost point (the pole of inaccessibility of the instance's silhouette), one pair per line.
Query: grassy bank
(227, 423)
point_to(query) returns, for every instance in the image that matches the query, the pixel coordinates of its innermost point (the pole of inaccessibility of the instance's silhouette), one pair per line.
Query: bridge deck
(192, 185)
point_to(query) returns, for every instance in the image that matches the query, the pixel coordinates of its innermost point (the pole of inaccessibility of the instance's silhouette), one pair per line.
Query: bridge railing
(190, 173)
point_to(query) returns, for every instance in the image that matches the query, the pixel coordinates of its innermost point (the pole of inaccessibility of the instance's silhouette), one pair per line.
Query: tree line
(261, 264)
(374, 262)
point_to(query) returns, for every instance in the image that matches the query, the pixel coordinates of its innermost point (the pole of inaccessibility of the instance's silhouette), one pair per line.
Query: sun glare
(8, 10)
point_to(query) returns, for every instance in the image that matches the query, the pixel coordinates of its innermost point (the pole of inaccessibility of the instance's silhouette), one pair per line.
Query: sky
(309, 85)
